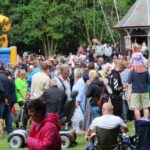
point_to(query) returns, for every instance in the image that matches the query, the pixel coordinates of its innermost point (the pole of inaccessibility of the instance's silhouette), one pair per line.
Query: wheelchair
(107, 139)
(111, 139)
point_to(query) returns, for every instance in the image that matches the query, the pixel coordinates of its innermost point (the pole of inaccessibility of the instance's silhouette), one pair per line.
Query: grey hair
(93, 74)
(64, 68)
(78, 72)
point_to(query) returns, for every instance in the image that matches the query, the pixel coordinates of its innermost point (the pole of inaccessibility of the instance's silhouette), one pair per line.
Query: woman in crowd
(94, 90)
(104, 75)
(44, 132)
(79, 85)
(21, 90)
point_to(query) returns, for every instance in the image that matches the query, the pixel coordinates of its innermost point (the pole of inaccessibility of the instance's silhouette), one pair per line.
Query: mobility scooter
(18, 137)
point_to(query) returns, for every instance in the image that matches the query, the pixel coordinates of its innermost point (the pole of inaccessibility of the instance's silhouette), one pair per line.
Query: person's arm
(89, 91)
(148, 74)
(90, 130)
(125, 129)
(2, 90)
(130, 77)
(88, 134)
(29, 80)
(80, 96)
(47, 83)
(123, 126)
(47, 140)
(21, 93)
(18, 88)
(114, 83)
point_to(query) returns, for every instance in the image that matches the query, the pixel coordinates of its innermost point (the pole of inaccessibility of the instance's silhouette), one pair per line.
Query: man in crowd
(117, 88)
(4, 103)
(32, 71)
(55, 98)
(63, 82)
(40, 81)
(107, 52)
(107, 120)
(140, 96)
(99, 49)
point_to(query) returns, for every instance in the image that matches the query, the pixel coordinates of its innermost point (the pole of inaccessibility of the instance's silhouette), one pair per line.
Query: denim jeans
(82, 106)
(95, 111)
(5, 113)
(24, 116)
(125, 110)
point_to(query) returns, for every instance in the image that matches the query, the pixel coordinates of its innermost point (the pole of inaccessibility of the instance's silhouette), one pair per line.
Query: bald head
(31, 68)
(107, 108)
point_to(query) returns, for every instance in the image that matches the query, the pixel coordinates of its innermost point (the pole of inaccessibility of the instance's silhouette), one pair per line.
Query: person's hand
(125, 85)
(6, 101)
(87, 138)
(88, 82)
(77, 104)
(28, 96)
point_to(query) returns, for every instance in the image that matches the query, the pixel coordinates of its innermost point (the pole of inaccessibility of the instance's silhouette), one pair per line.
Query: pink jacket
(46, 137)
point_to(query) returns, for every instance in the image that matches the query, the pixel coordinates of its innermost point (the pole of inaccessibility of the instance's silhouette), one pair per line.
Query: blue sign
(5, 56)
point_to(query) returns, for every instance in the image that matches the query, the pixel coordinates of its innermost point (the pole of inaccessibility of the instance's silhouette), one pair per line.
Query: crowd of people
(108, 84)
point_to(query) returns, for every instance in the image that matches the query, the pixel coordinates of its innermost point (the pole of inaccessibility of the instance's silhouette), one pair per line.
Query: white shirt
(65, 86)
(99, 50)
(107, 122)
(108, 51)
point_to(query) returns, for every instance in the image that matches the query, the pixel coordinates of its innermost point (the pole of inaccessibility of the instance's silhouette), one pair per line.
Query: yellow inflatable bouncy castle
(5, 26)
(7, 55)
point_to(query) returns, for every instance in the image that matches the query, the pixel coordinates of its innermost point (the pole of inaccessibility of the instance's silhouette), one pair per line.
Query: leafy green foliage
(60, 25)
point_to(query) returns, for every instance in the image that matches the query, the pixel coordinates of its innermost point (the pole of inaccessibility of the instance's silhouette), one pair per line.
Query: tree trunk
(87, 29)
(49, 46)
(94, 24)
(44, 46)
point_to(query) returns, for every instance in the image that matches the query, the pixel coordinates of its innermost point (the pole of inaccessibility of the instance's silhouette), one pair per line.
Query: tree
(59, 25)
(43, 22)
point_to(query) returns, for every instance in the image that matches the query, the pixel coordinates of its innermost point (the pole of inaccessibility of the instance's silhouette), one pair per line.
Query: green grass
(80, 140)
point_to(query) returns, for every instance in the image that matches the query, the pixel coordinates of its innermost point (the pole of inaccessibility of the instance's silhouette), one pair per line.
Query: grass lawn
(80, 146)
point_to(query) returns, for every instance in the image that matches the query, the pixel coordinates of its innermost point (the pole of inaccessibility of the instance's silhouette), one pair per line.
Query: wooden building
(135, 26)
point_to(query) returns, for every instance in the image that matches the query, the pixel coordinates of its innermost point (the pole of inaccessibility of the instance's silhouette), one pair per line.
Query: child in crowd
(138, 61)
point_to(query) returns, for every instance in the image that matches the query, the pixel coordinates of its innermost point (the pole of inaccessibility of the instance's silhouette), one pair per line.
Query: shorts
(140, 100)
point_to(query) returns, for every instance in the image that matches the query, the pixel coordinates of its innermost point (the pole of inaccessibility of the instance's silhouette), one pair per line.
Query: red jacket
(46, 137)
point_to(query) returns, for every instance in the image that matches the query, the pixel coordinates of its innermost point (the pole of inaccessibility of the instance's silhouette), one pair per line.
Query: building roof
(137, 16)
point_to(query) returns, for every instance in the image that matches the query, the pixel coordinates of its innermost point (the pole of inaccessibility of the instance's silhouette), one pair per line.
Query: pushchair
(18, 137)
(140, 141)
(142, 129)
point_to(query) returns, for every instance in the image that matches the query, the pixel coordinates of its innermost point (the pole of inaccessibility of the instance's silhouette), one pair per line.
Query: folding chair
(107, 139)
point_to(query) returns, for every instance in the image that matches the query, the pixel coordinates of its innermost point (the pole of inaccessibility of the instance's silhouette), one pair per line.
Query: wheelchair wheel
(65, 141)
(16, 142)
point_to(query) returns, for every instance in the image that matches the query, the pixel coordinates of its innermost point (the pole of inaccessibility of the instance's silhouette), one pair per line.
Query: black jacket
(86, 75)
(5, 87)
(55, 99)
(115, 82)
(94, 90)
